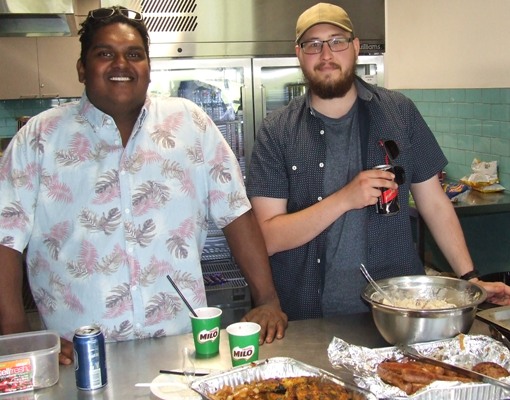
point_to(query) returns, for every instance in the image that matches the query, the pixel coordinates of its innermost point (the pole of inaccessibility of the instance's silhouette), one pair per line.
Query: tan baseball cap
(323, 13)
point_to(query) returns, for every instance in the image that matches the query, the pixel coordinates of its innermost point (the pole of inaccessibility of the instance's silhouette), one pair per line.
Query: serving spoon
(375, 285)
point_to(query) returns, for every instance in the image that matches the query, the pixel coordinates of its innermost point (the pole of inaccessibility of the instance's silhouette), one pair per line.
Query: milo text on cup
(208, 336)
(243, 353)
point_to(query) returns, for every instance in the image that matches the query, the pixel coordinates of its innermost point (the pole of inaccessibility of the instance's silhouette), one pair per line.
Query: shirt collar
(96, 118)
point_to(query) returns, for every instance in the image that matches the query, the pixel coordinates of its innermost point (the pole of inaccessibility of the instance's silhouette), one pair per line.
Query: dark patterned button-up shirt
(287, 163)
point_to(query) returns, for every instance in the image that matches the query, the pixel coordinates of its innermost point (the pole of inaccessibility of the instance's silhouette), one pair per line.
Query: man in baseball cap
(313, 186)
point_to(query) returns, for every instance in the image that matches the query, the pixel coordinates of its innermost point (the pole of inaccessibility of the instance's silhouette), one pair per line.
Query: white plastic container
(22, 352)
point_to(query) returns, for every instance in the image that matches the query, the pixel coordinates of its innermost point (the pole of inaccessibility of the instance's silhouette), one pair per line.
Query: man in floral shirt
(112, 193)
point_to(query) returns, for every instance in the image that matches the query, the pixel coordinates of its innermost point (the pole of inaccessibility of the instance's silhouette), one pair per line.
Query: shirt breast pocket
(304, 185)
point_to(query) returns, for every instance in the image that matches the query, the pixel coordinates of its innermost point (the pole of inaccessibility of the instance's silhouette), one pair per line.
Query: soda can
(89, 358)
(387, 203)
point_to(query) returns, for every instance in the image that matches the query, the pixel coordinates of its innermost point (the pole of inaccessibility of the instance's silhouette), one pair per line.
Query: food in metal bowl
(404, 324)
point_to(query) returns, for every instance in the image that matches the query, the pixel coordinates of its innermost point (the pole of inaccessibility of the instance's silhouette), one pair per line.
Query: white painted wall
(447, 44)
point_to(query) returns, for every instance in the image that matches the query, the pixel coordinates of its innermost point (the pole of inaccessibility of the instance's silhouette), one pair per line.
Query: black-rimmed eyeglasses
(335, 45)
(392, 151)
(101, 13)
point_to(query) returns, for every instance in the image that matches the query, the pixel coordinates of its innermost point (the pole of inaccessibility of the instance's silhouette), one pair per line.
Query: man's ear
(81, 70)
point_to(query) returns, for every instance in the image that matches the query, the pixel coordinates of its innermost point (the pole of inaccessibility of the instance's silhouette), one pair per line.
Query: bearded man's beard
(332, 88)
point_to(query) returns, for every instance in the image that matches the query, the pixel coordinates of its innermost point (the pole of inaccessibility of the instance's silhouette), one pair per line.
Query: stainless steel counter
(140, 360)
(478, 212)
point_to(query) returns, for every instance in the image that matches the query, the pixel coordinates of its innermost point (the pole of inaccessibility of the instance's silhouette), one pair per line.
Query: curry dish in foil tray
(295, 388)
(278, 378)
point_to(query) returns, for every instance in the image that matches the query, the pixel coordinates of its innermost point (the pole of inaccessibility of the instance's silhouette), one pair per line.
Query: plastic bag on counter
(484, 177)
(455, 191)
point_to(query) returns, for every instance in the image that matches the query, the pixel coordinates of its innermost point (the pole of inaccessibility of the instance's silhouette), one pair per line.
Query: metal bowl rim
(425, 279)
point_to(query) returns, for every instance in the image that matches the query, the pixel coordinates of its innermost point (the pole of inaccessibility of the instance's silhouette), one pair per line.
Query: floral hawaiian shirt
(105, 224)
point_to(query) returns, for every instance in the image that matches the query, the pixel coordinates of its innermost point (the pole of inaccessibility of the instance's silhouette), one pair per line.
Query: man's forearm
(12, 313)
(248, 248)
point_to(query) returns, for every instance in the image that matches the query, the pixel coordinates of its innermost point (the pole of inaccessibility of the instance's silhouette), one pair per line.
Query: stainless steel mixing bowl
(405, 325)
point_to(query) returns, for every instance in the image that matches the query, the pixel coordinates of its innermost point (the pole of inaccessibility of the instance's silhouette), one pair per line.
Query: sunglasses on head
(392, 151)
(101, 13)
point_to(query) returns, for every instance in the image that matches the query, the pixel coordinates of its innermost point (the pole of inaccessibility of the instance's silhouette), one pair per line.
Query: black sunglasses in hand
(392, 151)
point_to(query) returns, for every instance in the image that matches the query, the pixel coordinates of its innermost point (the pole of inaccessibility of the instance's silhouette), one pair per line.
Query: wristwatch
(470, 275)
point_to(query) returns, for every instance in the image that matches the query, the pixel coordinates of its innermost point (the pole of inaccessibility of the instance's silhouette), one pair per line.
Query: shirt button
(294, 168)
(321, 131)
(117, 142)
(319, 198)
(123, 172)
(318, 261)
(134, 288)
(127, 211)
(321, 165)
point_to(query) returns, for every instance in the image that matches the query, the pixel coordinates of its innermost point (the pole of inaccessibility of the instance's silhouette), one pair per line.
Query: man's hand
(497, 292)
(272, 320)
(365, 189)
(66, 356)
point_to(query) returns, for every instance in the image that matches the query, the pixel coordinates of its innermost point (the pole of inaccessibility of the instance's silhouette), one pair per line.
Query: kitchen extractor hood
(37, 18)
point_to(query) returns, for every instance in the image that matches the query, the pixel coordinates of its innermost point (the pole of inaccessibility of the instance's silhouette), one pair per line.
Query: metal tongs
(411, 352)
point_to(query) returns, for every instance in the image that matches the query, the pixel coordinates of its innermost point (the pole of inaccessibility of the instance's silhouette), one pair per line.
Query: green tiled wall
(10, 110)
(468, 124)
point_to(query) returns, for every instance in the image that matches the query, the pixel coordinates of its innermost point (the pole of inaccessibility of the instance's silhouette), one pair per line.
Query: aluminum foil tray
(498, 316)
(276, 367)
(463, 350)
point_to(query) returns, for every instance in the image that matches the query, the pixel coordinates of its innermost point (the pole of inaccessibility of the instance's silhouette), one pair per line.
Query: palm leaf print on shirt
(77, 151)
(164, 133)
(139, 158)
(70, 300)
(104, 223)
(86, 263)
(195, 153)
(176, 243)
(118, 301)
(46, 127)
(162, 306)
(150, 195)
(107, 187)
(173, 170)
(46, 302)
(156, 269)
(53, 240)
(13, 217)
(218, 170)
(120, 333)
(141, 235)
(200, 118)
(57, 191)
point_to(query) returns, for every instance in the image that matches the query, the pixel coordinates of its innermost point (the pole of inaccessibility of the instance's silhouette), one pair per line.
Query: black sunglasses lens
(391, 148)
(130, 14)
(400, 175)
(102, 13)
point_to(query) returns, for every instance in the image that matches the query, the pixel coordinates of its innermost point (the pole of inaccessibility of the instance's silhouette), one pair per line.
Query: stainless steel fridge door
(221, 87)
(273, 82)
(277, 80)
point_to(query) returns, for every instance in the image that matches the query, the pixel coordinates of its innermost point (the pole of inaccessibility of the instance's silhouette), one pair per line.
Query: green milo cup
(206, 331)
(243, 338)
